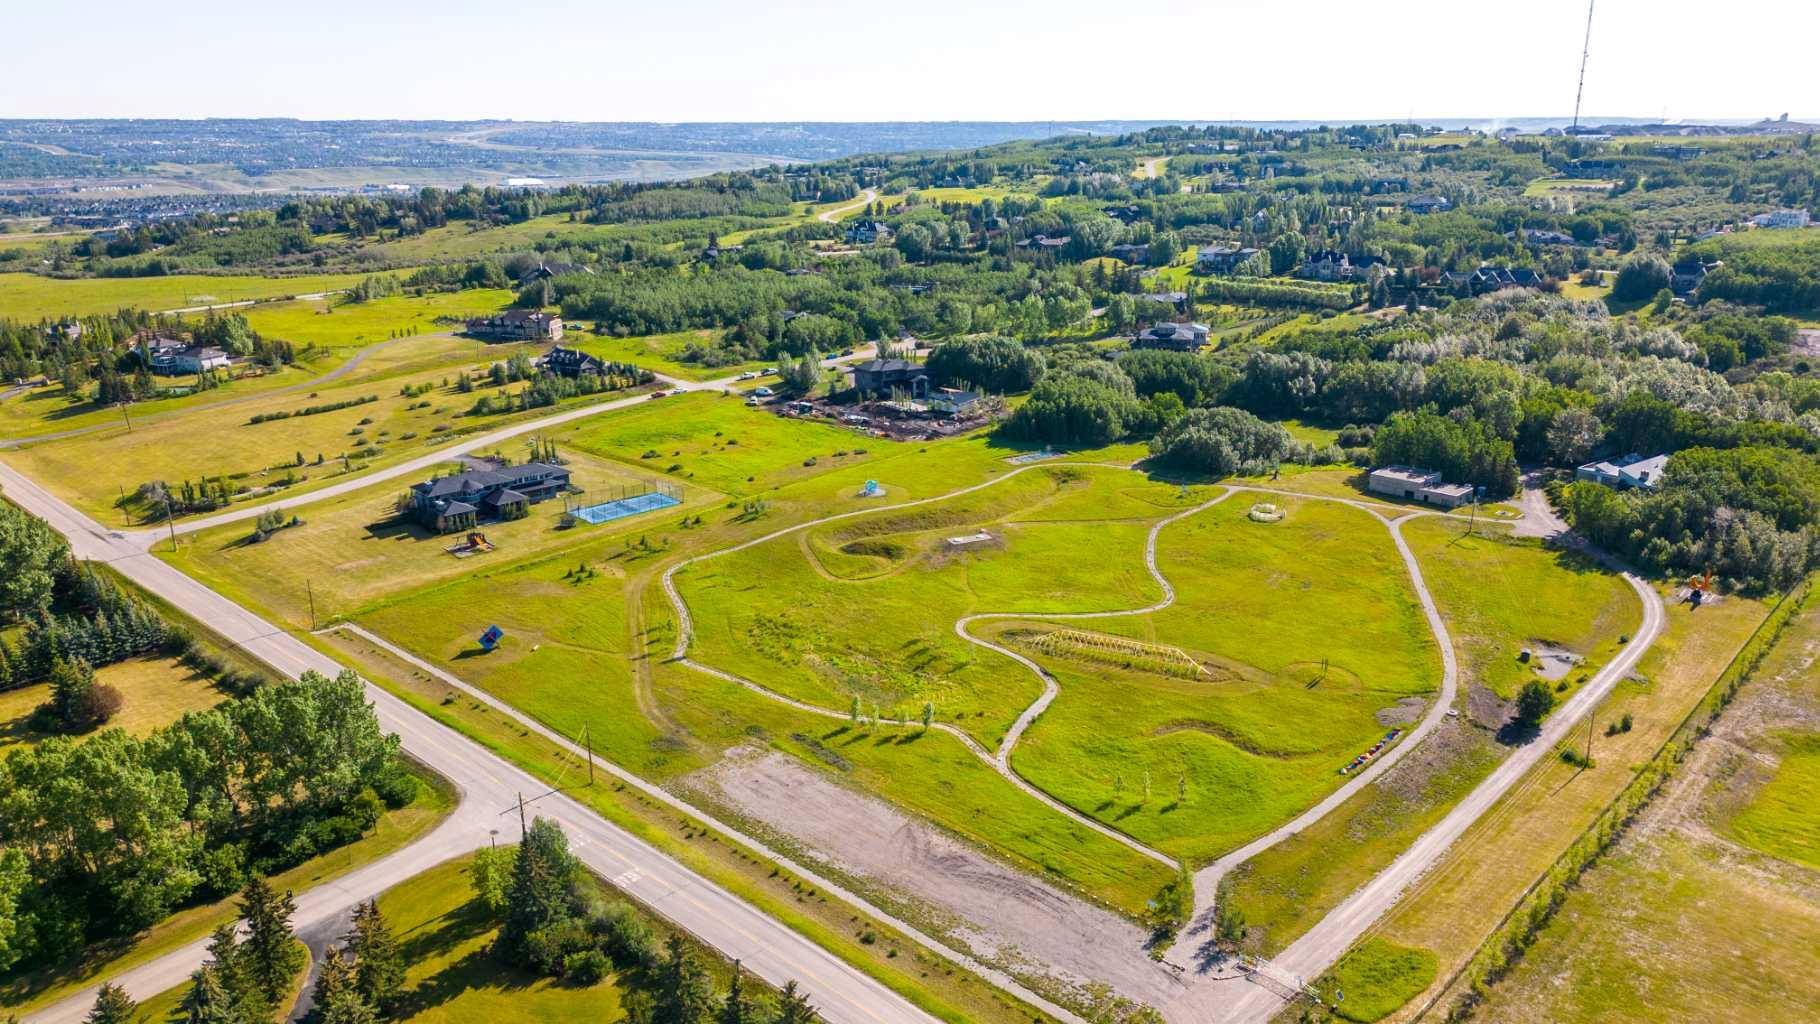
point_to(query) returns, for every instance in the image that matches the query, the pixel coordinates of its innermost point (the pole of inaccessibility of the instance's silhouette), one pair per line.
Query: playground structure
(970, 539)
(473, 544)
(1699, 589)
(872, 490)
(631, 500)
(1266, 512)
(1163, 659)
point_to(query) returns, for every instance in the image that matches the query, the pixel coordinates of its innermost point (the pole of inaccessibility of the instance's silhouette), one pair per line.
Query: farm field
(1463, 897)
(93, 470)
(34, 297)
(1690, 917)
(395, 830)
(1498, 595)
(157, 690)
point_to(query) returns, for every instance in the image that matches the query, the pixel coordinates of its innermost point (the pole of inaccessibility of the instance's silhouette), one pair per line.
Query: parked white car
(763, 392)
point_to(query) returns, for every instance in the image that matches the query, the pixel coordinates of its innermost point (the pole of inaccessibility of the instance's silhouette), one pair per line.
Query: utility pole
(1589, 728)
(126, 416)
(170, 524)
(588, 741)
(522, 830)
(311, 590)
(1585, 52)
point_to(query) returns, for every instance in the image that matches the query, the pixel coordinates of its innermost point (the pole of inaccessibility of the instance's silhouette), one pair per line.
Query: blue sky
(699, 60)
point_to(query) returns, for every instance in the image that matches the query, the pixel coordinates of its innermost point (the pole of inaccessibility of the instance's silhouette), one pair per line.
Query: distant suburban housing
(518, 325)
(1044, 243)
(1223, 259)
(1176, 299)
(1686, 276)
(878, 376)
(1175, 337)
(1424, 485)
(1429, 204)
(1783, 219)
(172, 357)
(1489, 278)
(1632, 470)
(1131, 252)
(545, 271)
(866, 232)
(1332, 265)
(715, 252)
(1536, 236)
(459, 502)
(953, 401)
(572, 362)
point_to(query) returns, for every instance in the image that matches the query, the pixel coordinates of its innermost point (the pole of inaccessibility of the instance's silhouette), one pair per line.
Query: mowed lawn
(1308, 627)
(352, 551)
(719, 442)
(157, 690)
(34, 297)
(566, 655)
(93, 470)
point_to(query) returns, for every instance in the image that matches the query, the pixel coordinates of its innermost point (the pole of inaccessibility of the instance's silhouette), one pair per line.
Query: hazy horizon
(946, 60)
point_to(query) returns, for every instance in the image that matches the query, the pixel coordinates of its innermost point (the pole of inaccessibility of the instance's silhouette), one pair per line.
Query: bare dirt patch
(1004, 916)
(1486, 709)
(1550, 661)
(1403, 712)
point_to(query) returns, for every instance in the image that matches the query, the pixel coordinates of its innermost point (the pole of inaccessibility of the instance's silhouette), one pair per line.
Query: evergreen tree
(228, 960)
(794, 1008)
(378, 967)
(337, 994)
(683, 994)
(737, 1009)
(112, 1006)
(272, 957)
(207, 1002)
(540, 893)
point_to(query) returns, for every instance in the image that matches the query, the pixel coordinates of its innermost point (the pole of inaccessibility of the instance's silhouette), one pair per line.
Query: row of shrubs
(313, 410)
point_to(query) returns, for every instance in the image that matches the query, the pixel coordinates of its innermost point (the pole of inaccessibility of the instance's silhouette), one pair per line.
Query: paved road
(489, 787)
(1321, 946)
(430, 460)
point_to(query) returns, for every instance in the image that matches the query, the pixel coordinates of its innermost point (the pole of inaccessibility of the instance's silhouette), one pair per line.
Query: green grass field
(1376, 978)
(157, 691)
(1501, 595)
(329, 323)
(1307, 628)
(721, 443)
(33, 297)
(1497, 595)
(94, 469)
(661, 353)
(1783, 818)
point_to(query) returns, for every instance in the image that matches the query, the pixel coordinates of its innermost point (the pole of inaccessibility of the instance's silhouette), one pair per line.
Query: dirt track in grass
(1005, 916)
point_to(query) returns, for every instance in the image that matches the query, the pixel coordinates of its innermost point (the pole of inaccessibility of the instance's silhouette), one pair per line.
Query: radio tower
(1585, 51)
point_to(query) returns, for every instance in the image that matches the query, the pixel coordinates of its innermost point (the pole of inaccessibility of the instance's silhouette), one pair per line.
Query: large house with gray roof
(459, 502)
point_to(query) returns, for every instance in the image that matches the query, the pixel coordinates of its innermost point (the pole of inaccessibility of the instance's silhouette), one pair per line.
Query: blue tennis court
(607, 511)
